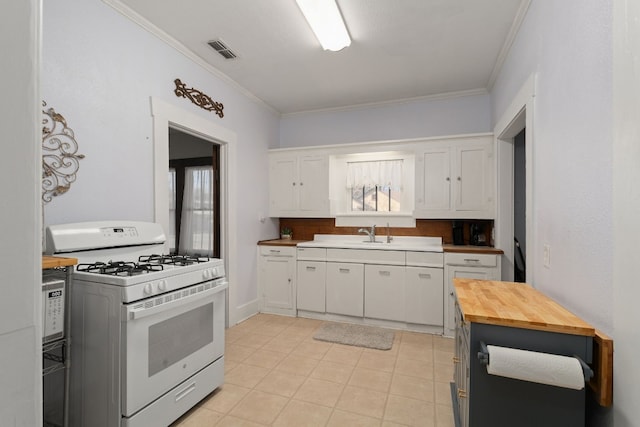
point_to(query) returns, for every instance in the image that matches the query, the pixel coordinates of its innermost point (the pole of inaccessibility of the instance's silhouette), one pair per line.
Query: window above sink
(373, 188)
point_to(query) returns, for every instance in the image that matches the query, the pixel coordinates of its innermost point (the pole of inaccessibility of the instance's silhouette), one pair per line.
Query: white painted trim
(383, 145)
(508, 42)
(505, 130)
(166, 115)
(435, 97)
(134, 16)
(247, 310)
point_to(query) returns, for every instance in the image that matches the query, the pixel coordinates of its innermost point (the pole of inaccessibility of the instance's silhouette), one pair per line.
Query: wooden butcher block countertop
(56, 261)
(516, 305)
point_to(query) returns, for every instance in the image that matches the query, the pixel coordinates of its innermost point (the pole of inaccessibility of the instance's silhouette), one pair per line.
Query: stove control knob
(162, 285)
(148, 289)
(206, 274)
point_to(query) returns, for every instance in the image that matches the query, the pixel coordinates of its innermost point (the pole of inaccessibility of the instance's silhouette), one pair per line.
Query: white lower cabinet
(345, 288)
(312, 276)
(424, 295)
(276, 279)
(470, 266)
(384, 292)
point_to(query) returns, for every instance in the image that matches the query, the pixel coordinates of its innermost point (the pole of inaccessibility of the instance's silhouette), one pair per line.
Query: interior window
(193, 207)
(172, 210)
(375, 186)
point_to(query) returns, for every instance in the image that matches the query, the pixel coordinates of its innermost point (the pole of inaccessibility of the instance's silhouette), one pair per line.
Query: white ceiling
(401, 49)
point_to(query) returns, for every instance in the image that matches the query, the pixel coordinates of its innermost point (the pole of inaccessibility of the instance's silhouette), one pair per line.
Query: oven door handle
(139, 310)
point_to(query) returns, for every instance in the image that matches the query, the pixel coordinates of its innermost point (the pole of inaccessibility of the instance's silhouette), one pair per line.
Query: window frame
(180, 165)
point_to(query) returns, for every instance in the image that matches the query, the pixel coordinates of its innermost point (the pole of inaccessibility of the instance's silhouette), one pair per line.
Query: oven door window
(168, 344)
(173, 339)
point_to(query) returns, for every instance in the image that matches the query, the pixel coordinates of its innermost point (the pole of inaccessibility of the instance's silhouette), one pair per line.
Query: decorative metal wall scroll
(198, 98)
(60, 161)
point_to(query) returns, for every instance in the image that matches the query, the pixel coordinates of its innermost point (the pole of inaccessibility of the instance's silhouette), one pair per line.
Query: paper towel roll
(543, 368)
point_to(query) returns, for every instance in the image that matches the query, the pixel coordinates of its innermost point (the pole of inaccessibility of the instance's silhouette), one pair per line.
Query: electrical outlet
(546, 256)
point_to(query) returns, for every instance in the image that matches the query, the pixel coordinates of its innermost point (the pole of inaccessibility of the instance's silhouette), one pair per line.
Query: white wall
(626, 211)
(412, 119)
(568, 46)
(99, 71)
(20, 173)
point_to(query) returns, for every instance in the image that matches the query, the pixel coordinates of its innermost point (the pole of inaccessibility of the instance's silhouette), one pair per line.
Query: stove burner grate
(179, 260)
(119, 268)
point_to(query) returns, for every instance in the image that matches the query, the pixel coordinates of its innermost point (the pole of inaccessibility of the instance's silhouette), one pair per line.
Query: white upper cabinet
(298, 185)
(454, 178)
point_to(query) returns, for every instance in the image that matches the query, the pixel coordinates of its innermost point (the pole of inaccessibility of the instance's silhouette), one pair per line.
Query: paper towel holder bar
(483, 356)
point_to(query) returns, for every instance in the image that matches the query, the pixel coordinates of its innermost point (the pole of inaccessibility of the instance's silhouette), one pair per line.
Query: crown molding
(435, 97)
(506, 47)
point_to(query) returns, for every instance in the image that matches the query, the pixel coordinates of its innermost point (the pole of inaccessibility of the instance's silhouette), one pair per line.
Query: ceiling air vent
(222, 49)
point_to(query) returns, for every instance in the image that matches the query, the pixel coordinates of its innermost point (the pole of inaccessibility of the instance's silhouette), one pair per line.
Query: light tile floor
(277, 375)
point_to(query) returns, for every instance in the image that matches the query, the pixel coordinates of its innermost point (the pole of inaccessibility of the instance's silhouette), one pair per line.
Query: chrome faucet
(371, 234)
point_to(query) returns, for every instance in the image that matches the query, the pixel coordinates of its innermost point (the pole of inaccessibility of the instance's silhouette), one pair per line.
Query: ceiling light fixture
(325, 20)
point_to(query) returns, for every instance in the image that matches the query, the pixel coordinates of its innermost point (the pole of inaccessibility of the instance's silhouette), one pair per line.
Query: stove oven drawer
(169, 341)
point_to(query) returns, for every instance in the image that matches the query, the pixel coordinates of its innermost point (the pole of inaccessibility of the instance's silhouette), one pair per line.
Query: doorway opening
(519, 207)
(194, 186)
(514, 225)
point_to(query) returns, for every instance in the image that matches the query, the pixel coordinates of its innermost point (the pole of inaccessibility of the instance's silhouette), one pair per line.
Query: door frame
(518, 115)
(166, 115)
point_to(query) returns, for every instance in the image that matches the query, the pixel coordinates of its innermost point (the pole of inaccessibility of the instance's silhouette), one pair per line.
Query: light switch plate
(546, 256)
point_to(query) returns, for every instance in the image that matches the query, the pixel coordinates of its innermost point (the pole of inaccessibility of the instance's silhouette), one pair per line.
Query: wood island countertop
(56, 261)
(515, 305)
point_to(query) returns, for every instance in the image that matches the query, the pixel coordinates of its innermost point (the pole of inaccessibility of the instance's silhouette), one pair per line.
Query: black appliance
(458, 233)
(477, 236)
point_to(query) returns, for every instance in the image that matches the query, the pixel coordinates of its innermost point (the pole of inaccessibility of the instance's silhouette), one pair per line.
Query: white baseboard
(245, 311)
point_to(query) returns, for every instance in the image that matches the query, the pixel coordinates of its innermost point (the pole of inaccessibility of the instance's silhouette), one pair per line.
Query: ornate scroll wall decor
(60, 161)
(200, 99)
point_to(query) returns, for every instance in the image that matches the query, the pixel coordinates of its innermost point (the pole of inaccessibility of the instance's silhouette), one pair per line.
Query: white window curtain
(172, 210)
(196, 228)
(381, 173)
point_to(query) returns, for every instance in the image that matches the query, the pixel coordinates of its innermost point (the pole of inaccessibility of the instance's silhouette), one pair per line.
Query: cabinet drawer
(366, 256)
(425, 259)
(288, 251)
(312, 254)
(471, 260)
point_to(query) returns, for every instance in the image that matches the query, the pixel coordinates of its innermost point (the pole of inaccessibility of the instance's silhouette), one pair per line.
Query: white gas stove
(145, 325)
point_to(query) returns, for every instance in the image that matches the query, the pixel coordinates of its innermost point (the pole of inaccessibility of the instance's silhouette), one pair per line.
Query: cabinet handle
(459, 179)
(462, 393)
(294, 184)
(456, 359)
(424, 275)
(471, 260)
(274, 251)
(385, 273)
(451, 293)
(311, 268)
(448, 179)
(302, 183)
(344, 270)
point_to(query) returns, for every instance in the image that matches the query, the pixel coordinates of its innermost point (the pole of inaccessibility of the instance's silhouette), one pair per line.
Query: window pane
(196, 228)
(172, 210)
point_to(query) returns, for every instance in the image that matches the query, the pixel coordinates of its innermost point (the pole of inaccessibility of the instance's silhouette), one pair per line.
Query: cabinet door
(283, 185)
(471, 178)
(313, 185)
(345, 288)
(384, 296)
(424, 295)
(433, 186)
(482, 273)
(311, 285)
(278, 285)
